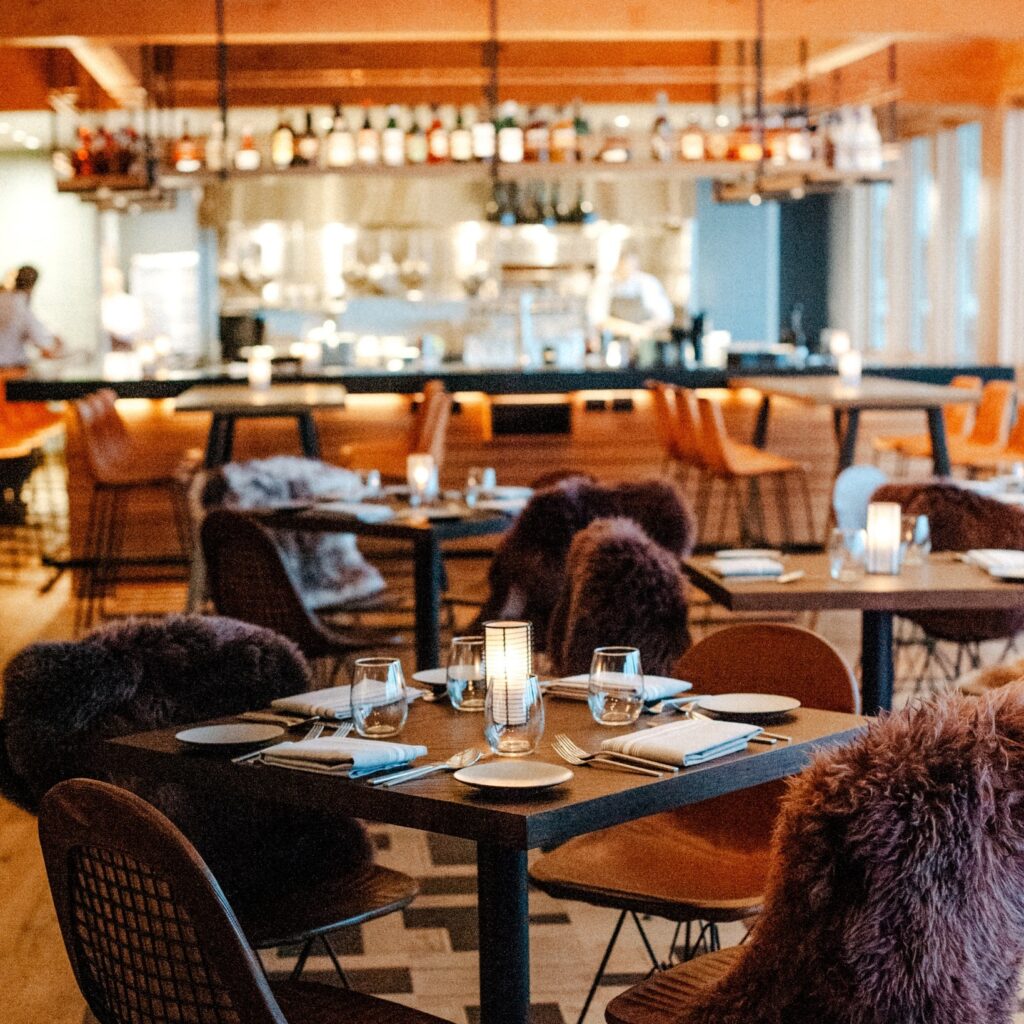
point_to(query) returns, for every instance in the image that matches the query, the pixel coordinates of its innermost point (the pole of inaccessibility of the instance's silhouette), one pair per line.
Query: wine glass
(616, 690)
(917, 539)
(846, 550)
(467, 687)
(379, 703)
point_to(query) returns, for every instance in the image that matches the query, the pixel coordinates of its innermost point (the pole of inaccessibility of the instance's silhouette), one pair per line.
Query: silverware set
(315, 732)
(573, 753)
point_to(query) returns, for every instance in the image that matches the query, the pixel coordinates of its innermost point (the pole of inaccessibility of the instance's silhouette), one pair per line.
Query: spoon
(463, 759)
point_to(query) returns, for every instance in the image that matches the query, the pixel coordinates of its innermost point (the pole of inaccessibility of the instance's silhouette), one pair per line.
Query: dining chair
(955, 417)
(666, 429)
(894, 893)
(120, 467)
(293, 876)
(988, 461)
(741, 468)
(249, 581)
(151, 935)
(707, 863)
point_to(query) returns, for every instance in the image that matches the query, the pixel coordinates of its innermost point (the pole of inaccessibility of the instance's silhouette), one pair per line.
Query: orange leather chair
(983, 460)
(666, 428)
(707, 862)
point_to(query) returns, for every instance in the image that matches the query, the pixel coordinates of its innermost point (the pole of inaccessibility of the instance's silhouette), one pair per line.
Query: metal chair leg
(339, 970)
(782, 496)
(300, 964)
(805, 489)
(602, 967)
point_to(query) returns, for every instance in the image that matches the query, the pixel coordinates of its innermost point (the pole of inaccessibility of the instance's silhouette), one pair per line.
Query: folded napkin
(686, 743)
(655, 687)
(726, 567)
(507, 506)
(997, 561)
(361, 510)
(331, 755)
(334, 702)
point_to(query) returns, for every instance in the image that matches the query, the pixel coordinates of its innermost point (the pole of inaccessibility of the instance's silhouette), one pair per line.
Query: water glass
(379, 703)
(479, 479)
(917, 539)
(616, 690)
(846, 550)
(513, 716)
(466, 680)
(370, 479)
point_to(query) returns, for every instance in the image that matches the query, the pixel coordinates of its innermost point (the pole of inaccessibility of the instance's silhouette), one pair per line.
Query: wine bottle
(416, 142)
(510, 135)
(341, 143)
(437, 138)
(537, 137)
(282, 144)
(392, 140)
(563, 137)
(247, 156)
(461, 141)
(307, 145)
(368, 140)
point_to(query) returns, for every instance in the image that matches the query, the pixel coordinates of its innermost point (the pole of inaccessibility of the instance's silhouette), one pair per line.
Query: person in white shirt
(640, 308)
(20, 329)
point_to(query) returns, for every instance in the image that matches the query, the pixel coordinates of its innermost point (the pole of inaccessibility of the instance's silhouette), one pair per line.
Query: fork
(571, 747)
(315, 732)
(594, 761)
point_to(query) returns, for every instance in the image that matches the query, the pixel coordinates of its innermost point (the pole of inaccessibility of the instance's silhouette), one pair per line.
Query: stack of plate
(755, 708)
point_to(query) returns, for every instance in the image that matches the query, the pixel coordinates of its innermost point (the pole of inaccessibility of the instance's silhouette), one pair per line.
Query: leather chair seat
(746, 460)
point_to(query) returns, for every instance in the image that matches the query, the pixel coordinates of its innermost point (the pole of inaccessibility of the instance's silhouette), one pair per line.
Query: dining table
(848, 401)
(504, 823)
(231, 402)
(942, 582)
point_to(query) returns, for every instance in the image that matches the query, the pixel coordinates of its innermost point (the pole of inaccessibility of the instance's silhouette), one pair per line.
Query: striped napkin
(577, 687)
(332, 756)
(333, 702)
(361, 510)
(997, 561)
(686, 743)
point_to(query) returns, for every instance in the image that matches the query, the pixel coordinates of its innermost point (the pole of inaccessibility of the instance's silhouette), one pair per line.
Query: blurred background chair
(987, 461)
(666, 429)
(149, 932)
(707, 863)
(293, 876)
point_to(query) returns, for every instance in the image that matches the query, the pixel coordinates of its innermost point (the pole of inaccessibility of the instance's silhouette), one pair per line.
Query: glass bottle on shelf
(100, 151)
(583, 210)
(392, 140)
(215, 153)
(563, 137)
(775, 137)
(536, 137)
(661, 131)
(616, 146)
(461, 141)
(81, 157)
(484, 138)
(416, 142)
(584, 139)
(367, 140)
(716, 143)
(341, 143)
(799, 140)
(510, 135)
(187, 153)
(247, 156)
(546, 204)
(307, 145)
(127, 148)
(282, 144)
(691, 142)
(437, 138)
(748, 144)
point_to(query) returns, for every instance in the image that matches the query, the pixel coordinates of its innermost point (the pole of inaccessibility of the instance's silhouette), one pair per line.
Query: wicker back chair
(151, 936)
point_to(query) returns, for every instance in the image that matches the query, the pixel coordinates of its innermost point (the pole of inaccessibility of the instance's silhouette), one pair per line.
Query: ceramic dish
(748, 707)
(242, 734)
(514, 775)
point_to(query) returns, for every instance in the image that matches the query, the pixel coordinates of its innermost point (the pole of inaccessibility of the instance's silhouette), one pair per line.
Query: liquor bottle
(307, 146)
(584, 139)
(615, 148)
(510, 135)
(367, 140)
(775, 136)
(583, 211)
(247, 156)
(691, 142)
(537, 137)
(748, 146)
(438, 151)
(562, 209)
(215, 147)
(563, 137)
(416, 142)
(661, 131)
(81, 158)
(717, 142)
(799, 140)
(484, 138)
(341, 143)
(529, 206)
(392, 140)
(547, 204)
(186, 154)
(100, 152)
(282, 145)
(461, 141)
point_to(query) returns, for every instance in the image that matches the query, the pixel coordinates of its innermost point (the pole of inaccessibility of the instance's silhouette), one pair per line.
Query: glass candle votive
(514, 708)
(421, 475)
(884, 538)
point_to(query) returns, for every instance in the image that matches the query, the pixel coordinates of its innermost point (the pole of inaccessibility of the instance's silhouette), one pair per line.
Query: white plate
(506, 506)
(244, 734)
(1007, 577)
(748, 553)
(432, 676)
(506, 491)
(514, 775)
(437, 512)
(748, 705)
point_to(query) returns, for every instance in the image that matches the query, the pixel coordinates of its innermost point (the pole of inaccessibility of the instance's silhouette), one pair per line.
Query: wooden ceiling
(293, 52)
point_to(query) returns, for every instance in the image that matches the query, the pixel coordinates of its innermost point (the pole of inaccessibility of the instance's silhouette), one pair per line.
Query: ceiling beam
(828, 60)
(111, 71)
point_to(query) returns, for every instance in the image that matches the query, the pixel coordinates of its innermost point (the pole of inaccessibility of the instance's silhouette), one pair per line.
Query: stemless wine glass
(616, 690)
(917, 539)
(379, 704)
(467, 687)
(514, 717)
(846, 550)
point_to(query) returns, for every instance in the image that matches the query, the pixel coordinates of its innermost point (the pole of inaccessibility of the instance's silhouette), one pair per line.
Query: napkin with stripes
(361, 510)
(685, 743)
(333, 702)
(334, 756)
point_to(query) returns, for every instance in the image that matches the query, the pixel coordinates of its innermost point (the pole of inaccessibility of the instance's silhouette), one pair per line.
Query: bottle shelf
(110, 182)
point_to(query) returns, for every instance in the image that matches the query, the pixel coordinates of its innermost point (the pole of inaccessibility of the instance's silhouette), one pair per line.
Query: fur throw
(620, 588)
(528, 571)
(896, 894)
(327, 568)
(960, 520)
(61, 698)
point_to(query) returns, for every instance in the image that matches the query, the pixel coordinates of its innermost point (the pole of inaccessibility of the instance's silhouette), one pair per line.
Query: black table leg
(429, 576)
(761, 424)
(848, 447)
(940, 450)
(214, 442)
(308, 437)
(503, 913)
(227, 439)
(876, 661)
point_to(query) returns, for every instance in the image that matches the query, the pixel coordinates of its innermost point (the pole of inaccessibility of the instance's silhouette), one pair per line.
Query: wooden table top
(871, 393)
(281, 399)
(942, 583)
(409, 526)
(595, 798)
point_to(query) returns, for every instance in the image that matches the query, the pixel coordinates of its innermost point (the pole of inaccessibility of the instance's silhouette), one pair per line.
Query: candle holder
(421, 474)
(260, 372)
(884, 538)
(851, 369)
(514, 708)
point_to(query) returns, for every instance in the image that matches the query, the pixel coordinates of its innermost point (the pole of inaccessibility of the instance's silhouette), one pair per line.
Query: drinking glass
(917, 539)
(479, 479)
(513, 717)
(846, 549)
(616, 690)
(379, 704)
(467, 687)
(370, 479)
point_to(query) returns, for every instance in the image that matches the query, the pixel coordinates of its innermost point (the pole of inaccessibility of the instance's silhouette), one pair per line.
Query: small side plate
(432, 676)
(242, 734)
(514, 775)
(748, 706)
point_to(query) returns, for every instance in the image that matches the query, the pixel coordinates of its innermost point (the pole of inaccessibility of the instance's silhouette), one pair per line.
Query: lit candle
(851, 366)
(312, 356)
(508, 657)
(884, 537)
(838, 342)
(421, 474)
(259, 366)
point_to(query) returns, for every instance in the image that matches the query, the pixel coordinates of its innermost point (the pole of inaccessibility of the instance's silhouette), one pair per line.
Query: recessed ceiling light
(755, 199)
(31, 142)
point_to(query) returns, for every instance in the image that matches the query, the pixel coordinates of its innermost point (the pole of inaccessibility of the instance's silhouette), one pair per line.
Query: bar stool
(119, 467)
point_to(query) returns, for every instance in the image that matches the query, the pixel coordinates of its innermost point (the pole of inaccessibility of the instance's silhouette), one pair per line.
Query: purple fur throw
(61, 698)
(528, 571)
(620, 588)
(961, 520)
(896, 894)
